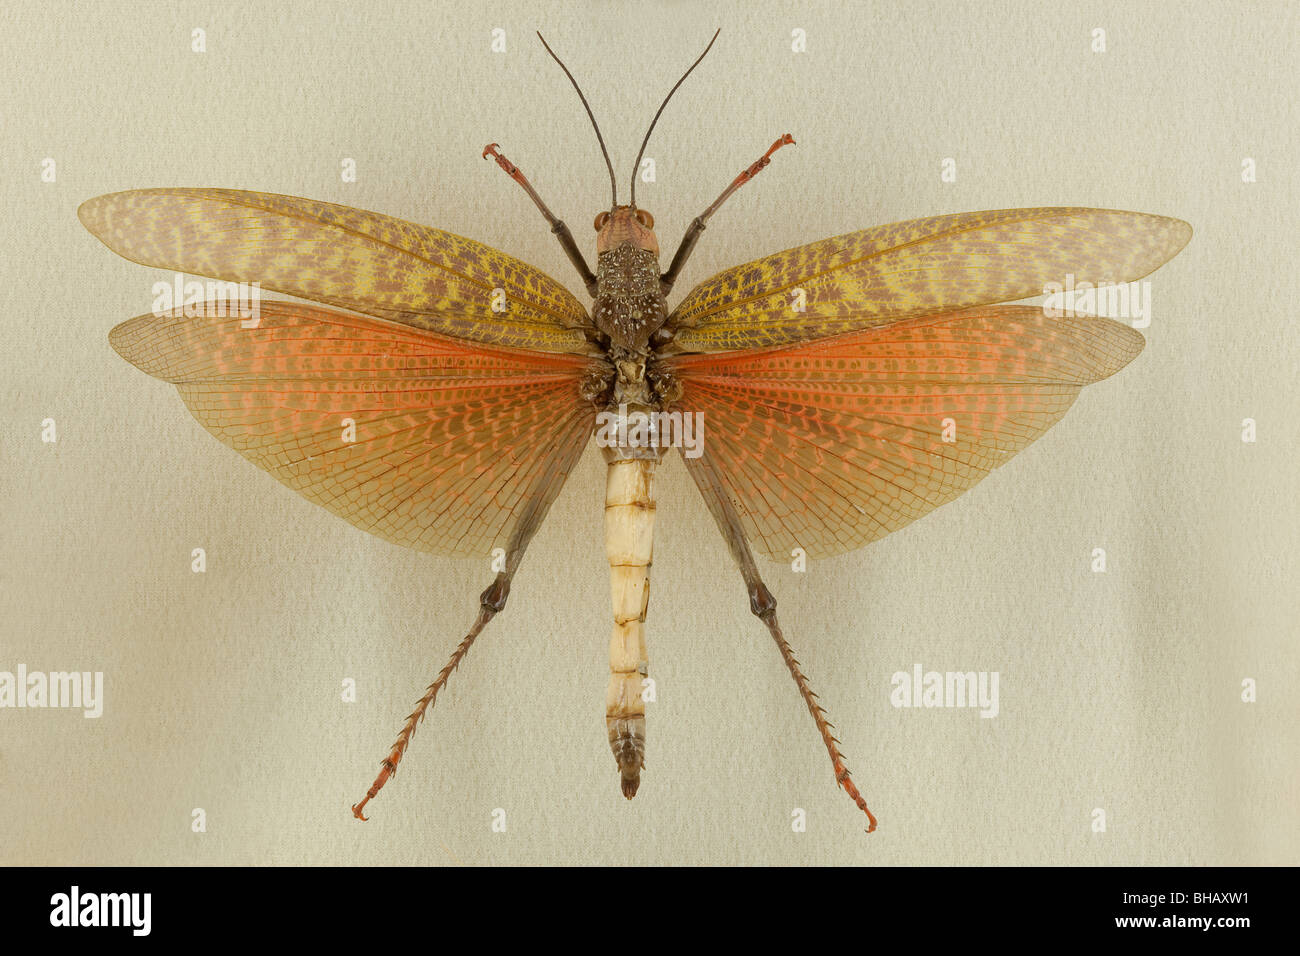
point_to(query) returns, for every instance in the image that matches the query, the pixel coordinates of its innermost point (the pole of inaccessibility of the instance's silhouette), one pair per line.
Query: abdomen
(629, 546)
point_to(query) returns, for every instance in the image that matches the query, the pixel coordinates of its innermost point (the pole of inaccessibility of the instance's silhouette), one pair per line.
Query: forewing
(364, 261)
(424, 441)
(919, 267)
(833, 444)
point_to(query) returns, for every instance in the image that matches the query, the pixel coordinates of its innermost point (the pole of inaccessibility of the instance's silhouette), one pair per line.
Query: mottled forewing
(919, 267)
(346, 257)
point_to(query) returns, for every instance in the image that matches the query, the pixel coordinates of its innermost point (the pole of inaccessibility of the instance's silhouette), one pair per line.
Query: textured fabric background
(1119, 691)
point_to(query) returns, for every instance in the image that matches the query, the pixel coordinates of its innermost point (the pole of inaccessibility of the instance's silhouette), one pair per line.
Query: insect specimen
(848, 386)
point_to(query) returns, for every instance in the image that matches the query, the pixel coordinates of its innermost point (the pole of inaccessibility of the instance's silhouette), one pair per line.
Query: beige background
(1118, 691)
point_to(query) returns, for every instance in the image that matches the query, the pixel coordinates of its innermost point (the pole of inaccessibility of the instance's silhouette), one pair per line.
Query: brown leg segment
(537, 503)
(761, 597)
(747, 174)
(763, 604)
(490, 602)
(696, 227)
(558, 227)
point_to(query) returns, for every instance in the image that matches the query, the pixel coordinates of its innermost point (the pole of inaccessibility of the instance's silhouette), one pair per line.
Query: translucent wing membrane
(919, 267)
(346, 257)
(419, 439)
(830, 445)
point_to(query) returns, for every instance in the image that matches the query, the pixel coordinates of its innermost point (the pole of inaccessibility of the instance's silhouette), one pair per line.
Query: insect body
(629, 308)
(889, 384)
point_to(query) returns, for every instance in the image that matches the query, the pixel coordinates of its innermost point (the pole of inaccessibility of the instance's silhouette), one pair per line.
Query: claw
(762, 162)
(511, 169)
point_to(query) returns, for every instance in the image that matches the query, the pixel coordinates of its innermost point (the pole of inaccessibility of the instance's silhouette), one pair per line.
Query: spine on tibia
(629, 544)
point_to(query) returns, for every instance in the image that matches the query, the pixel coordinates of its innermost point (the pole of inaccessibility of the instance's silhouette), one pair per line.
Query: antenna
(637, 165)
(608, 165)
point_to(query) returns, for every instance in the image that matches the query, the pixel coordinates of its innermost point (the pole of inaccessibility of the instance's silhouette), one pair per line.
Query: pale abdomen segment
(629, 544)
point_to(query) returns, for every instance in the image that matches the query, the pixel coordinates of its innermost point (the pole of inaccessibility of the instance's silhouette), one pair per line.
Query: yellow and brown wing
(829, 445)
(422, 440)
(919, 267)
(345, 257)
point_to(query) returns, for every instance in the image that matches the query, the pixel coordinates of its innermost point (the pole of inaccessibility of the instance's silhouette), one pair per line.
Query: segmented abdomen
(629, 545)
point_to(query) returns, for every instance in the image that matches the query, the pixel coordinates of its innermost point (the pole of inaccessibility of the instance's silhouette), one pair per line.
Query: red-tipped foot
(842, 777)
(386, 769)
(761, 163)
(492, 150)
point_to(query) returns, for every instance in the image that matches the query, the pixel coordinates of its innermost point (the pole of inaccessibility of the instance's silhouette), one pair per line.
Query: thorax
(629, 305)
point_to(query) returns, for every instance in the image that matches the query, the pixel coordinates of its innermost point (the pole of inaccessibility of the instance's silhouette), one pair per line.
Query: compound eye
(601, 219)
(645, 219)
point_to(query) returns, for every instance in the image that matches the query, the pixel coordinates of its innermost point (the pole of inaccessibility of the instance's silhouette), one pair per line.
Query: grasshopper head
(626, 224)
